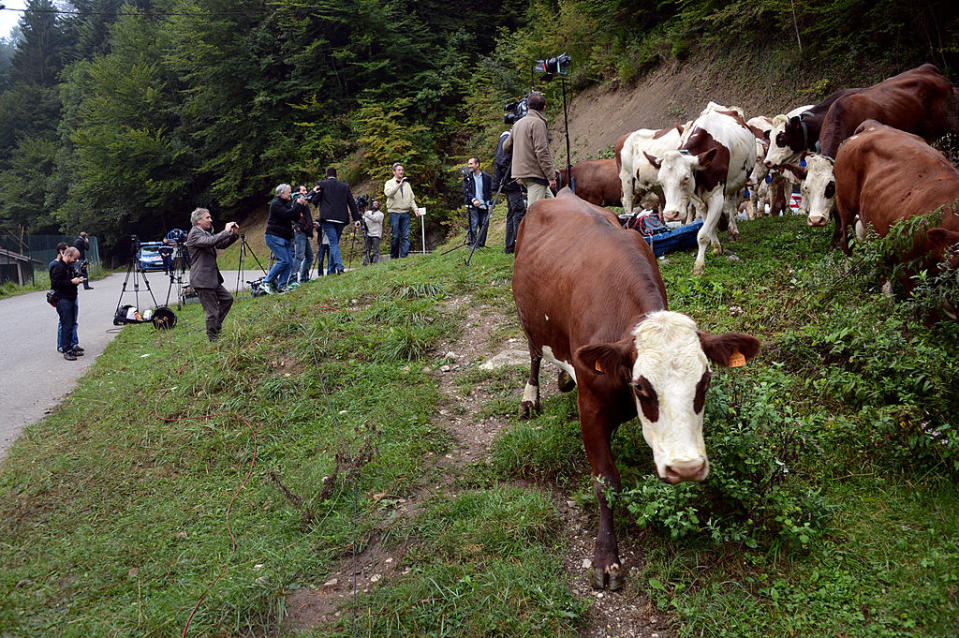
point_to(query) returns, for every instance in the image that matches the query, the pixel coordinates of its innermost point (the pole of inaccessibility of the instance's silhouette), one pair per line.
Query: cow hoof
(699, 268)
(565, 382)
(717, 249)
(611, 578)
(527, 410)
(732, 236)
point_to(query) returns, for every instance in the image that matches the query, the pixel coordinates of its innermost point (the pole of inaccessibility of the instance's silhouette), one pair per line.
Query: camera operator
(529, 145)
(302, 234)
(64, 281)
(337, 208)
(82, 244)
(205, 276)
(373, 219)
(279, 238)
(172, 246)
(515, 207)
(400, 202)
(477, 193)
(72, 344)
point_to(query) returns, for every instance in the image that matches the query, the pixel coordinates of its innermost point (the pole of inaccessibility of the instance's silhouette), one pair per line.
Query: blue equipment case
(670, 241)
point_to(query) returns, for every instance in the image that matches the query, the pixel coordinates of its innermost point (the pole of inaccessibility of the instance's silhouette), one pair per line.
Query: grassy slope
(112, 520)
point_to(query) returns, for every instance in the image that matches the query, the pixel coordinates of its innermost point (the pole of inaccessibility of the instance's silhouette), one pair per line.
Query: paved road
(34, 377)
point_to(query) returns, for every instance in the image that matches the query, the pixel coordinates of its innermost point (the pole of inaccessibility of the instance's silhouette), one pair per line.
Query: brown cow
(920, 101)
(597, 181)
(591, 300)
(884, 175)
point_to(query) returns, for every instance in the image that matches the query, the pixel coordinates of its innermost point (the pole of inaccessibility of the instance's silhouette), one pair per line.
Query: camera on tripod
(553, 66)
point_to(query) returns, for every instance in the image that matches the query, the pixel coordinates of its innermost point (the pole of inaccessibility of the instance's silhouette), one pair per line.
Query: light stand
(549, 69)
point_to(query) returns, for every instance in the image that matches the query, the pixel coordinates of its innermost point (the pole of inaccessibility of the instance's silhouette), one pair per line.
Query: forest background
(121, 117)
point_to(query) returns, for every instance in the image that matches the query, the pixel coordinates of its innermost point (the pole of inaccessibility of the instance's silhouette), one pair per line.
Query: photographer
(302, 234)
(336, 208)
(205, 276)
(279, 238)
(515, 207)
(529, 145)
(477, 192)
(174, 239)
(64, 281)
(400, 202)
(82, 244)
(373, 219)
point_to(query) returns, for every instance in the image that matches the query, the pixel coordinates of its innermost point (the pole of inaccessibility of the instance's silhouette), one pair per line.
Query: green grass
(112, 520)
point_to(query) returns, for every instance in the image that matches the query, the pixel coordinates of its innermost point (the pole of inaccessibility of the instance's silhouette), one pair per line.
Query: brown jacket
(529, 144)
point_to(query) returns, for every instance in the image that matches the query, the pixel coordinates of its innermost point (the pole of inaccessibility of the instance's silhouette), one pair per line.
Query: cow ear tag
(600, 370)
(737, 359)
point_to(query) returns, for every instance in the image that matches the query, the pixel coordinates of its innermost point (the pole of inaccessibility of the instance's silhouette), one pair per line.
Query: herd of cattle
(602, 316)
(710, 161)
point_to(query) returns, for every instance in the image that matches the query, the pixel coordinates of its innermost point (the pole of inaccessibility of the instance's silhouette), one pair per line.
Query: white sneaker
(267, 288)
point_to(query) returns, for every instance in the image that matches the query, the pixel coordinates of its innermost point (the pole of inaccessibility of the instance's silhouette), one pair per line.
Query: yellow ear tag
(737, 359)
(599, 368)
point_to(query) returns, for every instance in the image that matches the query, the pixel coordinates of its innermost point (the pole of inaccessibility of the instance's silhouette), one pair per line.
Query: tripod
(244, 248)
(137, 270)
(176, 277)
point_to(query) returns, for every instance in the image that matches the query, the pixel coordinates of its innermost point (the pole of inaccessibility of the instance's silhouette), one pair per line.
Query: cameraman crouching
(205, 276)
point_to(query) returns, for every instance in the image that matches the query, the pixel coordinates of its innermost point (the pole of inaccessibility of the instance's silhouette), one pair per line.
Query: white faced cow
(636, 174)
(710, 169)
(591, 300)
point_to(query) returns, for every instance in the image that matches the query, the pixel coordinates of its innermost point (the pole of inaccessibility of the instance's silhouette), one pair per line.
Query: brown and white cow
(920, 101)
(596, 181)
(884, 175)
(637, 176)
(709, 169)
(797, 132)
(591, 300)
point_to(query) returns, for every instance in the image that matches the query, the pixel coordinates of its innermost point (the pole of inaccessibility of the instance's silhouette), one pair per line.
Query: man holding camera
(477, 193)
(337, 208)
(529, 145)
(511, 189)
(205, 276)
(302, 234)
(82, 244)
(399, 204)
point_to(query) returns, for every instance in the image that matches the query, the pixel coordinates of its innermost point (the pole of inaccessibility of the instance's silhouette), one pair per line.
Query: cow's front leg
(606, 570)
(530, 403)
(707, 234)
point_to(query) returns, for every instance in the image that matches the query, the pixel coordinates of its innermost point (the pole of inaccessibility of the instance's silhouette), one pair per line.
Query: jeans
(302, 257)
(400, 241)
(371, 250)
(515, 211)
(323, 252)
(83, 267)
(478, 224)
(68, 310)
(284, 260)
(333, 231)
(73, 337)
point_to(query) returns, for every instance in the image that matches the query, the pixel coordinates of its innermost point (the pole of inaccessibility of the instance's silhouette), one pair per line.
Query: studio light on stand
(548, 69)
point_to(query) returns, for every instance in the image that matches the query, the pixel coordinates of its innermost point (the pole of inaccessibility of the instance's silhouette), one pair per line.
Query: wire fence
(24, 256)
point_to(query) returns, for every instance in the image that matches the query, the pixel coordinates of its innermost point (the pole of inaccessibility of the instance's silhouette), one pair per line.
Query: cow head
(818, 188)
(785, 141)
(677, 178)
(666, 366)
(760, 170)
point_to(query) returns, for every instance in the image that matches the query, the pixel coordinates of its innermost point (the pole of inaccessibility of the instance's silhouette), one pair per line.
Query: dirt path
(624, 614)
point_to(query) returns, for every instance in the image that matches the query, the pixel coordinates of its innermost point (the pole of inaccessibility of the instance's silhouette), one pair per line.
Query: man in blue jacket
(477, 192)
(337, 207)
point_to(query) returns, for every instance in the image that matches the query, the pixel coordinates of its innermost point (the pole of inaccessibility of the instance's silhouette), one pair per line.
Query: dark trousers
(216, 303)
(479, 224)
(515, 211)
(371, 250)
(67, 309)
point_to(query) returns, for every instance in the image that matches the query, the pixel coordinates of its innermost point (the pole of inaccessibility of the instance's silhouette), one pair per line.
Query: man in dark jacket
(205, 276)
(82, 244)
(477, 193)
(279, 238)
(302, 234)
(515, 206)
(336, 208)
(64, 282)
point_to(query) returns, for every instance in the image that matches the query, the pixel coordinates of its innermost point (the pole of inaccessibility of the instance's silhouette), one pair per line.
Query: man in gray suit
(205, 276)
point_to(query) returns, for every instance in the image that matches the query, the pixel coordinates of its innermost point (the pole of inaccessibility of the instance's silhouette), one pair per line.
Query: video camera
(515, 111)
(553, 66)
